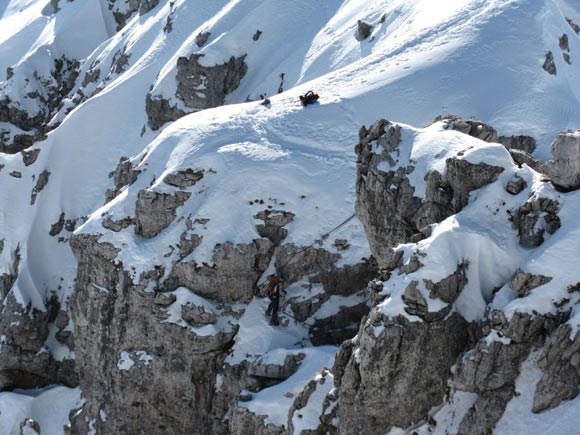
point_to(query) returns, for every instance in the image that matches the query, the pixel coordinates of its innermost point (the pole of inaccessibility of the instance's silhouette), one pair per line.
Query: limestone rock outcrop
(564, 168)
(387, 204)
(198, 87)
(398, 373)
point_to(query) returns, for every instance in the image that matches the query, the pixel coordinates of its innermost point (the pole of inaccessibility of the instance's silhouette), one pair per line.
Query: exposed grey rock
(567, 58)
(56, 228)
(22, 363)
(124, 174)
(363, 30)
(319, 266)
(564, 168)
(231, 277)
(129, 8)
(386, 384)
(416, 305)
(257, 35)
(449, 288)
(172, 366)
(563, 42)
(91, 76)
(188, 245)
(516, 185)
(522, 143)
(159, 111)
(40, 184)
(197, 315)
(147, 5)
(244, 422)
(16, 174)
(386, 203)
(119, 63)
(413, 265)
(573, 25)
(274, 223)
(29, 426)
(168, 28)
(339, 327)
(164, 299)
(492, 367)
(472, 127)
(466, 177)
(522, 157)
(486, 412)
(525, 327)
(276, 371)
(118, 225)
(154, 211)
(184, 179)
(533, 219)
(7, 280)
(29, 157)
(560, 362)
(201, 87)
(301, 402)
(202, 38)
(549, 65)
(523, 283)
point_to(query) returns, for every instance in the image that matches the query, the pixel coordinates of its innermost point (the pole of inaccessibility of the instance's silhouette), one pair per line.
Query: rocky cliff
(157, 166)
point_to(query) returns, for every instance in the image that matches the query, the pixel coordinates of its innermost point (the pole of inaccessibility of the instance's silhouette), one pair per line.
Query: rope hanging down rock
(323, 237)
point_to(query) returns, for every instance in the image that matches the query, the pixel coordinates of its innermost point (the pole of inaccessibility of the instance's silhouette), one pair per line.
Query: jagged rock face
(363, 30)
(198, 87)
(29, 427)
(129, 362)
(472, 127)
(48, 93)
(159, 111)
(319, 266)
(24, 331)
(564, 168)
(386, 213)
(246, 422)
(386, 202)
(274, 223)
(327, 421)
(154, 211)
(232, 276)
(184, 179)
(523, 283)
(522, 157)
(22, 363)
(535, 218)
(549, 65)
(397, 373)
(491, 368)
(124, 9)
(522, 143)
(516, 185)
(560, 362)
(201, 87)
(339, 327)
(465, 177)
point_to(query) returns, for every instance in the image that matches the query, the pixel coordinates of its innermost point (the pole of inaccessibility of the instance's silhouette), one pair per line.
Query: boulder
(154, 211)
(564, 168)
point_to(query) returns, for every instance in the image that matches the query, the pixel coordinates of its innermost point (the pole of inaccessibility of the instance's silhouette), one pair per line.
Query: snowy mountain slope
(469, 57)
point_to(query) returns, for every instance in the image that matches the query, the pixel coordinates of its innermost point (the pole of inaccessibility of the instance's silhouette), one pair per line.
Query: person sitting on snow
(309, 98)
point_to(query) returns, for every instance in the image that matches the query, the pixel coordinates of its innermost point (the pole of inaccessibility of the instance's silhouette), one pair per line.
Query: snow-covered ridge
(167, 203)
